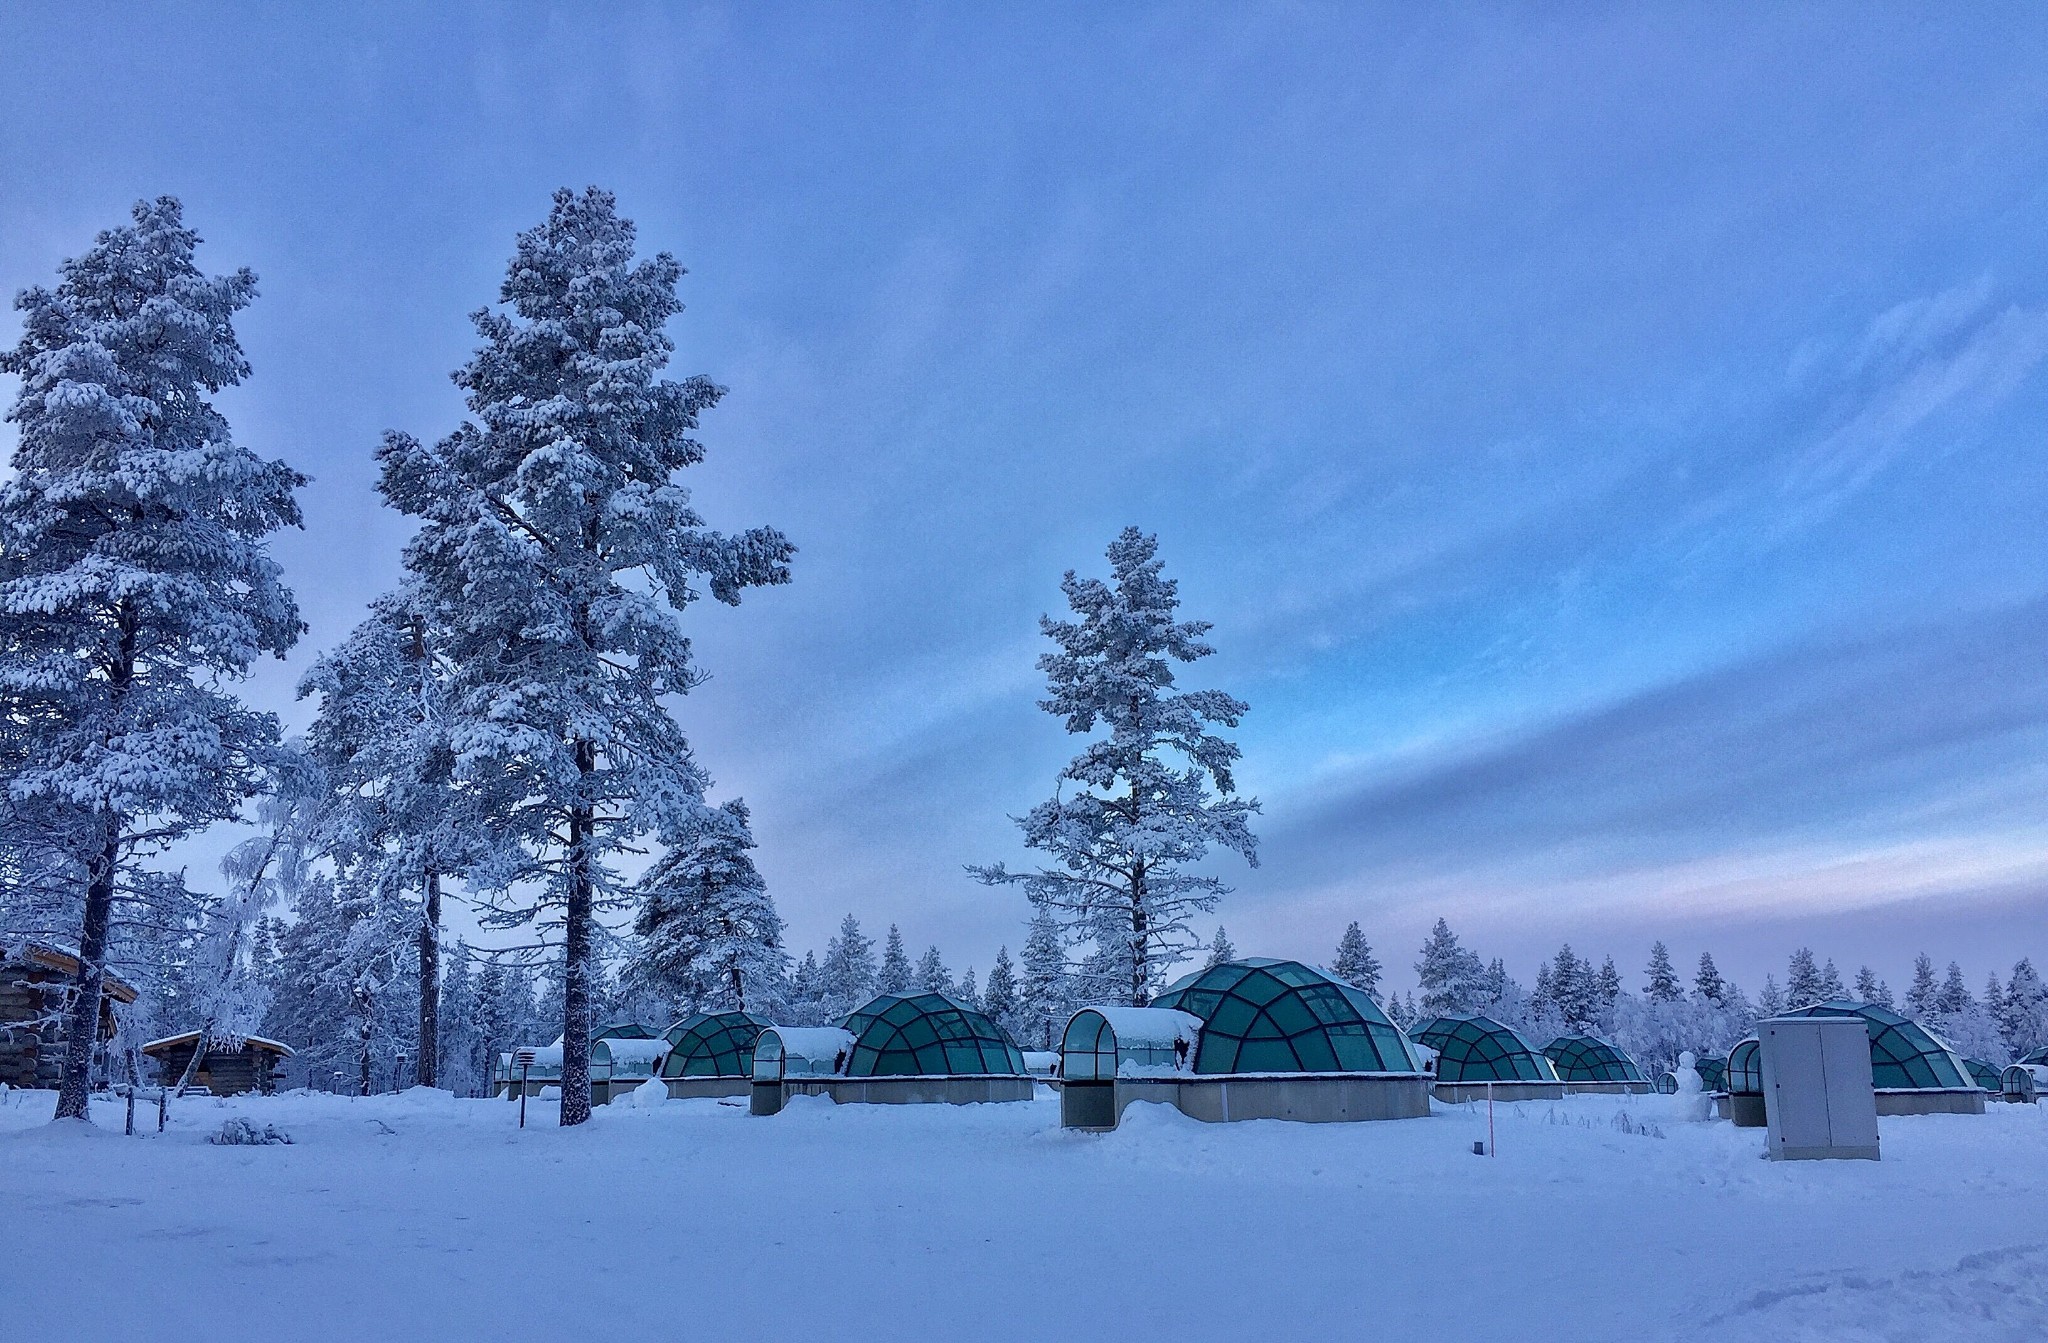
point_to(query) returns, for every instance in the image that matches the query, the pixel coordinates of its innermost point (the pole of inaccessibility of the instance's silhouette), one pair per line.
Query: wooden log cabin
(224, 1071)
(35, 985)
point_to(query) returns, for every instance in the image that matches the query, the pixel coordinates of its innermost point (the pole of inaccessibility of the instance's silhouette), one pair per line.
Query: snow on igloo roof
(629, 1057)
(800, 1051)
(1150, 1025)
(928, 1035)
(1473, 1048)
(1261, 1015)
(1100, 1043)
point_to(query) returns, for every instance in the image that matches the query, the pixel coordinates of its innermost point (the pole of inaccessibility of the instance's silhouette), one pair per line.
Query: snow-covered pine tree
(1355, 963)
(1135, 822)
(1955, 996)
(896, 974)
(1042, 989)
(1575, 989)
(1707, 984)
(709, 934)
(558, 551)
(462, 1067)
(1802, 979)
(807, 992)
(932, 975)
(847, 976)
(347, 991)
(136, 582)
(999, 998)
(1220, 949)
(504, 1009)
(1871, 989)
(1607, 986)
(2024, 1022)
(1771, 1001)
(1451, 976)
(1923, 998)
(1831, 988)
(1662, 984)
(397, 820)
(968, 991)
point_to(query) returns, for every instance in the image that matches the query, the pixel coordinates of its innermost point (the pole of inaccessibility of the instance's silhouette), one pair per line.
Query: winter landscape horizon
(883, 645)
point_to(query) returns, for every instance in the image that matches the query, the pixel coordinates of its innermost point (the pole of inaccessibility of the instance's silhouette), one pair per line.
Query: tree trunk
(199, 1048)
(82, 1017)
(430, 982)
(1141, 961)
(366, 1025)
(739, 990)
(576, 955)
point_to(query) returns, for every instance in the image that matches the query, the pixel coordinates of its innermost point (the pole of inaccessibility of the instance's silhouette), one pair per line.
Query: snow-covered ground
(422, 1217)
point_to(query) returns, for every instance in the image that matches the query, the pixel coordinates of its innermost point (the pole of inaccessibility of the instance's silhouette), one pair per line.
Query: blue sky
(1608, 442)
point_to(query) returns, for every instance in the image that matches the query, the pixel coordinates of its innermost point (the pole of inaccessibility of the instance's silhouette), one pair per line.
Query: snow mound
(1994, 1294)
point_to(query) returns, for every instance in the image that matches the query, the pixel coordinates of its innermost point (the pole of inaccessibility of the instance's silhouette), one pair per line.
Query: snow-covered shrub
(239, 1132)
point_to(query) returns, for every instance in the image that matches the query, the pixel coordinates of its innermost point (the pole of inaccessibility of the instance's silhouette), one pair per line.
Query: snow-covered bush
(240, 1132)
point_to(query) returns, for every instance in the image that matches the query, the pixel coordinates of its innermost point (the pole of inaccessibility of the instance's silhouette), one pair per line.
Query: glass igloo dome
(713, 1044)
(1480, 1049)
(928, 1035)
(1273, 1016)
(1588, 1058)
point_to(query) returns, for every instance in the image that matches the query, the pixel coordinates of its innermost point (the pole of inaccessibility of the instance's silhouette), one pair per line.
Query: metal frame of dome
(713, 1044)
(1986, 1074)
(1588, 1058)
(1744, 1075)
(1481, 1049)
(928, 1035)
(2033, 1056)
(1261, 1015)
(1713, 1071)
(1904, 1055)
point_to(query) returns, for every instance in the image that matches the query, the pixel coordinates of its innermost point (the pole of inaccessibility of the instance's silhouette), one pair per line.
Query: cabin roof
(283, 1051)
(65, 960)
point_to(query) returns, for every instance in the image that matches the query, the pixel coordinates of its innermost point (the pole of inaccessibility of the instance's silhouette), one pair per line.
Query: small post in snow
(525, 1057)
(163, 1107)
(1489, 1120)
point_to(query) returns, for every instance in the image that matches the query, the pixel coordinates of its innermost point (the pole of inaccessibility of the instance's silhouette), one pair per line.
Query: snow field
(421, 1216)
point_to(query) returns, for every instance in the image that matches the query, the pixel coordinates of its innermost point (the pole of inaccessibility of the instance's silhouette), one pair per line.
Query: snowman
(1692, 1102)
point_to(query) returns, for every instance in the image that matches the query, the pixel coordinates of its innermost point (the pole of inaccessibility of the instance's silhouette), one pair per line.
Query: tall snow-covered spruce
(559, 550)
(1123, 840)
(135, 578)
(709, 934)
(397, 822)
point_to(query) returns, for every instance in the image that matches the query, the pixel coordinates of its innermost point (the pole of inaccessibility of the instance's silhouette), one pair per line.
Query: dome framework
(713, 1044)
(1479, 1049)
(928, 1035)
(1261, 1015)
(1904, 1056)
(1588, 1058)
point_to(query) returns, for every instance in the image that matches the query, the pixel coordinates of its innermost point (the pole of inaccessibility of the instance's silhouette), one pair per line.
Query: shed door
(1795, 1088)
